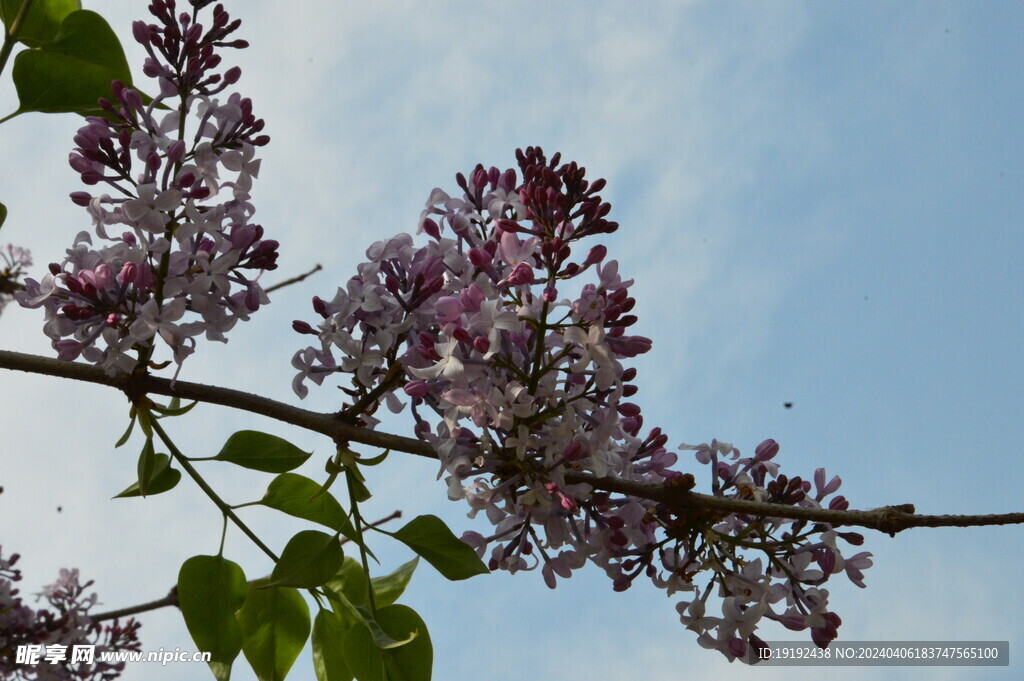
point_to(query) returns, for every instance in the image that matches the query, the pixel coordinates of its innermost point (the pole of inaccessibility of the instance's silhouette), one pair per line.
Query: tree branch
(293, 280)
(889, 519)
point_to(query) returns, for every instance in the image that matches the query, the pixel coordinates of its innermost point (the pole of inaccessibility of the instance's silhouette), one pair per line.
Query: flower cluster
(14, 260)
(177, 254)
(510, 349)
(57, 629)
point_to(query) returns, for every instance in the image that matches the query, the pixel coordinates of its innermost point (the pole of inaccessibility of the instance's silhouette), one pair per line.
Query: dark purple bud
(153, 161)
(431, 228)
(854, 538)
(629, 409)
(550, 294)
(629, 374)
(54, 268)
(303, 327)
(480, 258)
(481, 344)
(573, 452)
(319, 306)
(839, 503)
(506, 225)
(81, 198)
(232, 75)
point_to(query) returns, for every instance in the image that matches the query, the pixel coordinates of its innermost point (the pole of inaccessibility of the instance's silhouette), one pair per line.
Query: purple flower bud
(431, 228)
(303, 327)
(629, 409)
(232, 75)
(767, 450)
(596, 255)
(448, 309)
(416, 389)
(521, 274)
(573, 452)
(854, 538)
(176, 151)
(481, 344)
(479, 258)
(140, 31)
(839, 503)
(131, 99)
(320, 307)
(81, 198)
(550, 294)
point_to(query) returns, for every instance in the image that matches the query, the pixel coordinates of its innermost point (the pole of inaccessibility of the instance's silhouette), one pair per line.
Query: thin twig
(889, 519)
(293, 280)
(172, 596)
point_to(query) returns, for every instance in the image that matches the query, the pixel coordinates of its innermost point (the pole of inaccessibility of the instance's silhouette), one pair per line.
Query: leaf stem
(224, 508)
(11, 36)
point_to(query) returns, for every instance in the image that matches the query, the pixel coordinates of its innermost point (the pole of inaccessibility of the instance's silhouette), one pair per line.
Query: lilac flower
(515, 388)
(190, 261)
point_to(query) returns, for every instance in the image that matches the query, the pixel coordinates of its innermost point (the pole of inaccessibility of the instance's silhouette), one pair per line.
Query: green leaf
(147, 467)
(275, 626)
(347, 590)
(290, 493)
(351, 581)
(3, 214)
(410, 662)
(310, 559)
(175, 408)
(429, 537)
(389, 588)
(262, 452)
(127, 433)
(328, 660)
(210, 590)
(74, 70)
(42, 22)
(164, 479)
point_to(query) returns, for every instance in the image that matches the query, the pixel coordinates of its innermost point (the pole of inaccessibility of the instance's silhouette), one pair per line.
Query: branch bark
(889, 519)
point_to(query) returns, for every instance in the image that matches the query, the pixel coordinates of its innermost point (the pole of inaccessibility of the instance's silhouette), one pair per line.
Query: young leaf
(147, 468)
(328, 660)
(72, 71)
(389, 588)
(174, 408)
(262, 452)
(410, 662)
(350, 614)
(210, 590)
(429, 537)
(127, 432)
(275, 626)
(350, 583)
(42, 22)
(310, 558)
(165, 478)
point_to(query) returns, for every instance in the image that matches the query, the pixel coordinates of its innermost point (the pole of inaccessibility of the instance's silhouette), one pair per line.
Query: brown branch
(890, 519)
(293, 280)
(172, 596)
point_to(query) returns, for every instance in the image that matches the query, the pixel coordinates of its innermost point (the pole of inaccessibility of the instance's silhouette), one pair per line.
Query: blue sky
(820, 203)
